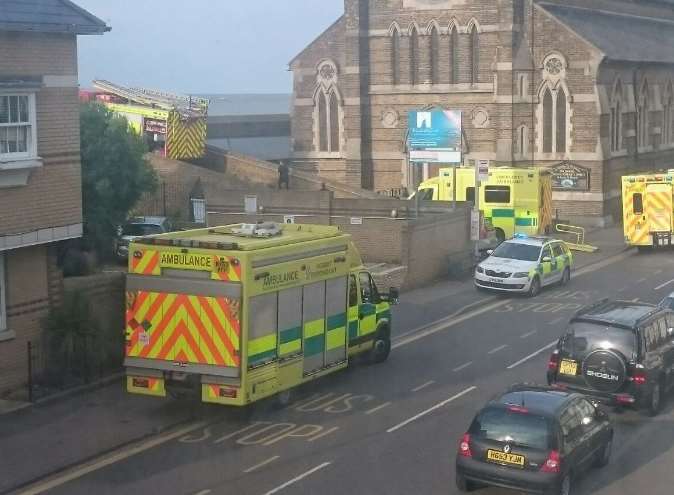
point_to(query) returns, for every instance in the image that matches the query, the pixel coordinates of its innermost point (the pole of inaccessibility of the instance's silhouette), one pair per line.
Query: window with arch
(667, 135)
(522, 140)
(554, 120)
(435, 54)
(395, 56)
(642, 118)
(474, 44)
(453, 55)
(327, 114)
(414, 51)
(616, 119)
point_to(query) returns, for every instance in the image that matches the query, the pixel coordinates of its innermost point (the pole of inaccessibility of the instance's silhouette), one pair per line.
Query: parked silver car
(138, 227)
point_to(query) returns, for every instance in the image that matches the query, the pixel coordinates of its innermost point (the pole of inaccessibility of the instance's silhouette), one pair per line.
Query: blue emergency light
(517, 235)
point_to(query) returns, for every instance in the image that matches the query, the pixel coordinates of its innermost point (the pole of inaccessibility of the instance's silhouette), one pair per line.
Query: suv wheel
(535, 287)
(655, 399)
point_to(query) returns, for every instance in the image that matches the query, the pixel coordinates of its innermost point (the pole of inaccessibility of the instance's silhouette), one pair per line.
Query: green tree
(115, 173)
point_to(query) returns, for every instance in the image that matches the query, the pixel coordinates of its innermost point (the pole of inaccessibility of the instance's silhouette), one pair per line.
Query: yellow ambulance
(514, 200)
(243, 312)
(647, 209)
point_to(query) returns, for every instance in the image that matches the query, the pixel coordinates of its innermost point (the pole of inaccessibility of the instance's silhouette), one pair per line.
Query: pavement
(391, 428)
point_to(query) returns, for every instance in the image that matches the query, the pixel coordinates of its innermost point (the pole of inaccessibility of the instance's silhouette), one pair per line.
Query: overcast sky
(202, 46)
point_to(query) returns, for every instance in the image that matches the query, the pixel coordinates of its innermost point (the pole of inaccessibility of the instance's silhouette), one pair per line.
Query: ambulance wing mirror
(546, 259)
(393, 296)
(490, 252)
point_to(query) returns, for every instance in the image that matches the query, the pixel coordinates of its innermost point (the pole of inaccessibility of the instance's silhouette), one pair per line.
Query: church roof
(619, 36)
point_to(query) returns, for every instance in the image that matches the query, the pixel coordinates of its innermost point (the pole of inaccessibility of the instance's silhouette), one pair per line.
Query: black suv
(617, 352)
(534, 439)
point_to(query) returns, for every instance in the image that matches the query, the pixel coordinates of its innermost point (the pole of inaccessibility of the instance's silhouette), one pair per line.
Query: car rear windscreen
(584, 338)
(139, 229)
(517, 428)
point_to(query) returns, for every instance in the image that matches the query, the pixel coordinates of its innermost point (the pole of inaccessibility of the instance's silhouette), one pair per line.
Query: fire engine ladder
(188, 107)
(579, 234)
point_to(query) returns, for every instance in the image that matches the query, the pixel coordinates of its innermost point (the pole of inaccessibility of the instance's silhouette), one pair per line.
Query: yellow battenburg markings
(263, 344)
(224, 321)
(336, 338)
(186, 138)
(313, 328)
(291, 347)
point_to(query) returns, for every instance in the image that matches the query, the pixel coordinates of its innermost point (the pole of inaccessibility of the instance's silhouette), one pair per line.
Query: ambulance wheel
(566, 277)
(381, 347)
(535, 287)
(644, 249)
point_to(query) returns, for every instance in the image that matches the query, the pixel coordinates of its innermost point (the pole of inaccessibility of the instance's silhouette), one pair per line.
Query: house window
(17, 127)
(616, 127)
(414, 49)
(522, 85)
(454, 55)
(395, 56)
(434, 55)
(3, 295)
(554, 120)
(474, 55)
(327, 114)
(642, 118)
(522, 142)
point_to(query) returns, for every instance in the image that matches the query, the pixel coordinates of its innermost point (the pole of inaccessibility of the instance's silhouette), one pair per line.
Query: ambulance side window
(497, 194)
(637, 204)
(353, 291)
(368, 289)
(426, 195)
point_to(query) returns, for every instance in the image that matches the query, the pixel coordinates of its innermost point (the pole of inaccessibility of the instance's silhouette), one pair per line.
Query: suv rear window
(583, 338)
(521, 429)
(141, 229)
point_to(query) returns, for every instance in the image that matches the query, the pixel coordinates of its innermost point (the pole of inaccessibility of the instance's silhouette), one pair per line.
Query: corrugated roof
(621, 37)
(52, 16)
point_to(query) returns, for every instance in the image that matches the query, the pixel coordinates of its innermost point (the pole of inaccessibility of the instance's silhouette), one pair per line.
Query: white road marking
(662, 286)
(203, 492)
(532, 355)
(556, 320)
(497, 349)
(451, 321)
(658, 272)
(324, 433)
(96, 464)
(431, 409)
(423, 386)
(641, 280)
(378, 408)
(528, 334)
(636, 299)
(263, 463)
(623, 289)
(463, 366)
(298, 478)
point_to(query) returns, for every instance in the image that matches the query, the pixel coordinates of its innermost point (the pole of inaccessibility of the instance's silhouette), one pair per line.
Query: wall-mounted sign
(155, 126)
(483, 170)
(356, 220)
(567, 176)
(434, 136)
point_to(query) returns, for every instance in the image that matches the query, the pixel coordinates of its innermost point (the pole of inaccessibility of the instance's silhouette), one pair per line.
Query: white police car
(525, 264)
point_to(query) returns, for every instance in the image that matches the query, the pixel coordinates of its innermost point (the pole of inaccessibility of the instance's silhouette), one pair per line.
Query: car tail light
(464, 446)
(553, 363)
(624, 399)
(639, 375)
(552, 463)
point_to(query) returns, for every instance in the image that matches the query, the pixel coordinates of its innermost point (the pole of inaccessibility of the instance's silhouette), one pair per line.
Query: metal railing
(579, 234)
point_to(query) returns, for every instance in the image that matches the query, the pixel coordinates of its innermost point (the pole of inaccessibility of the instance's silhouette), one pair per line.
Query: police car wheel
(566, 277)
(535, 287)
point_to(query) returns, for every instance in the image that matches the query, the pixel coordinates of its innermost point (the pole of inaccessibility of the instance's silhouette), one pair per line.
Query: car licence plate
(568, 367)
(496, 280)
(503, 458)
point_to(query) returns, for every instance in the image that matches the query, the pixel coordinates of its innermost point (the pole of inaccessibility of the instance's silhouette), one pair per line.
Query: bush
(78, 348)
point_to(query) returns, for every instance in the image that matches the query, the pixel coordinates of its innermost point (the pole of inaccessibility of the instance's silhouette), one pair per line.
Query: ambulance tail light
(141, 382)
(229, 393)
(464, 446)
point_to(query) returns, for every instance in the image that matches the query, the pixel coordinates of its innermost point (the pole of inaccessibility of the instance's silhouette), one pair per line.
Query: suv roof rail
(589, 307)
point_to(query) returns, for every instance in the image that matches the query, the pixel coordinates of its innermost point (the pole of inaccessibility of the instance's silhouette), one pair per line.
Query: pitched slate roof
(621, 37)
(50, 16)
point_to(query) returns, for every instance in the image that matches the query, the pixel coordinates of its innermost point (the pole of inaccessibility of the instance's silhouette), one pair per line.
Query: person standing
(283, 175)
